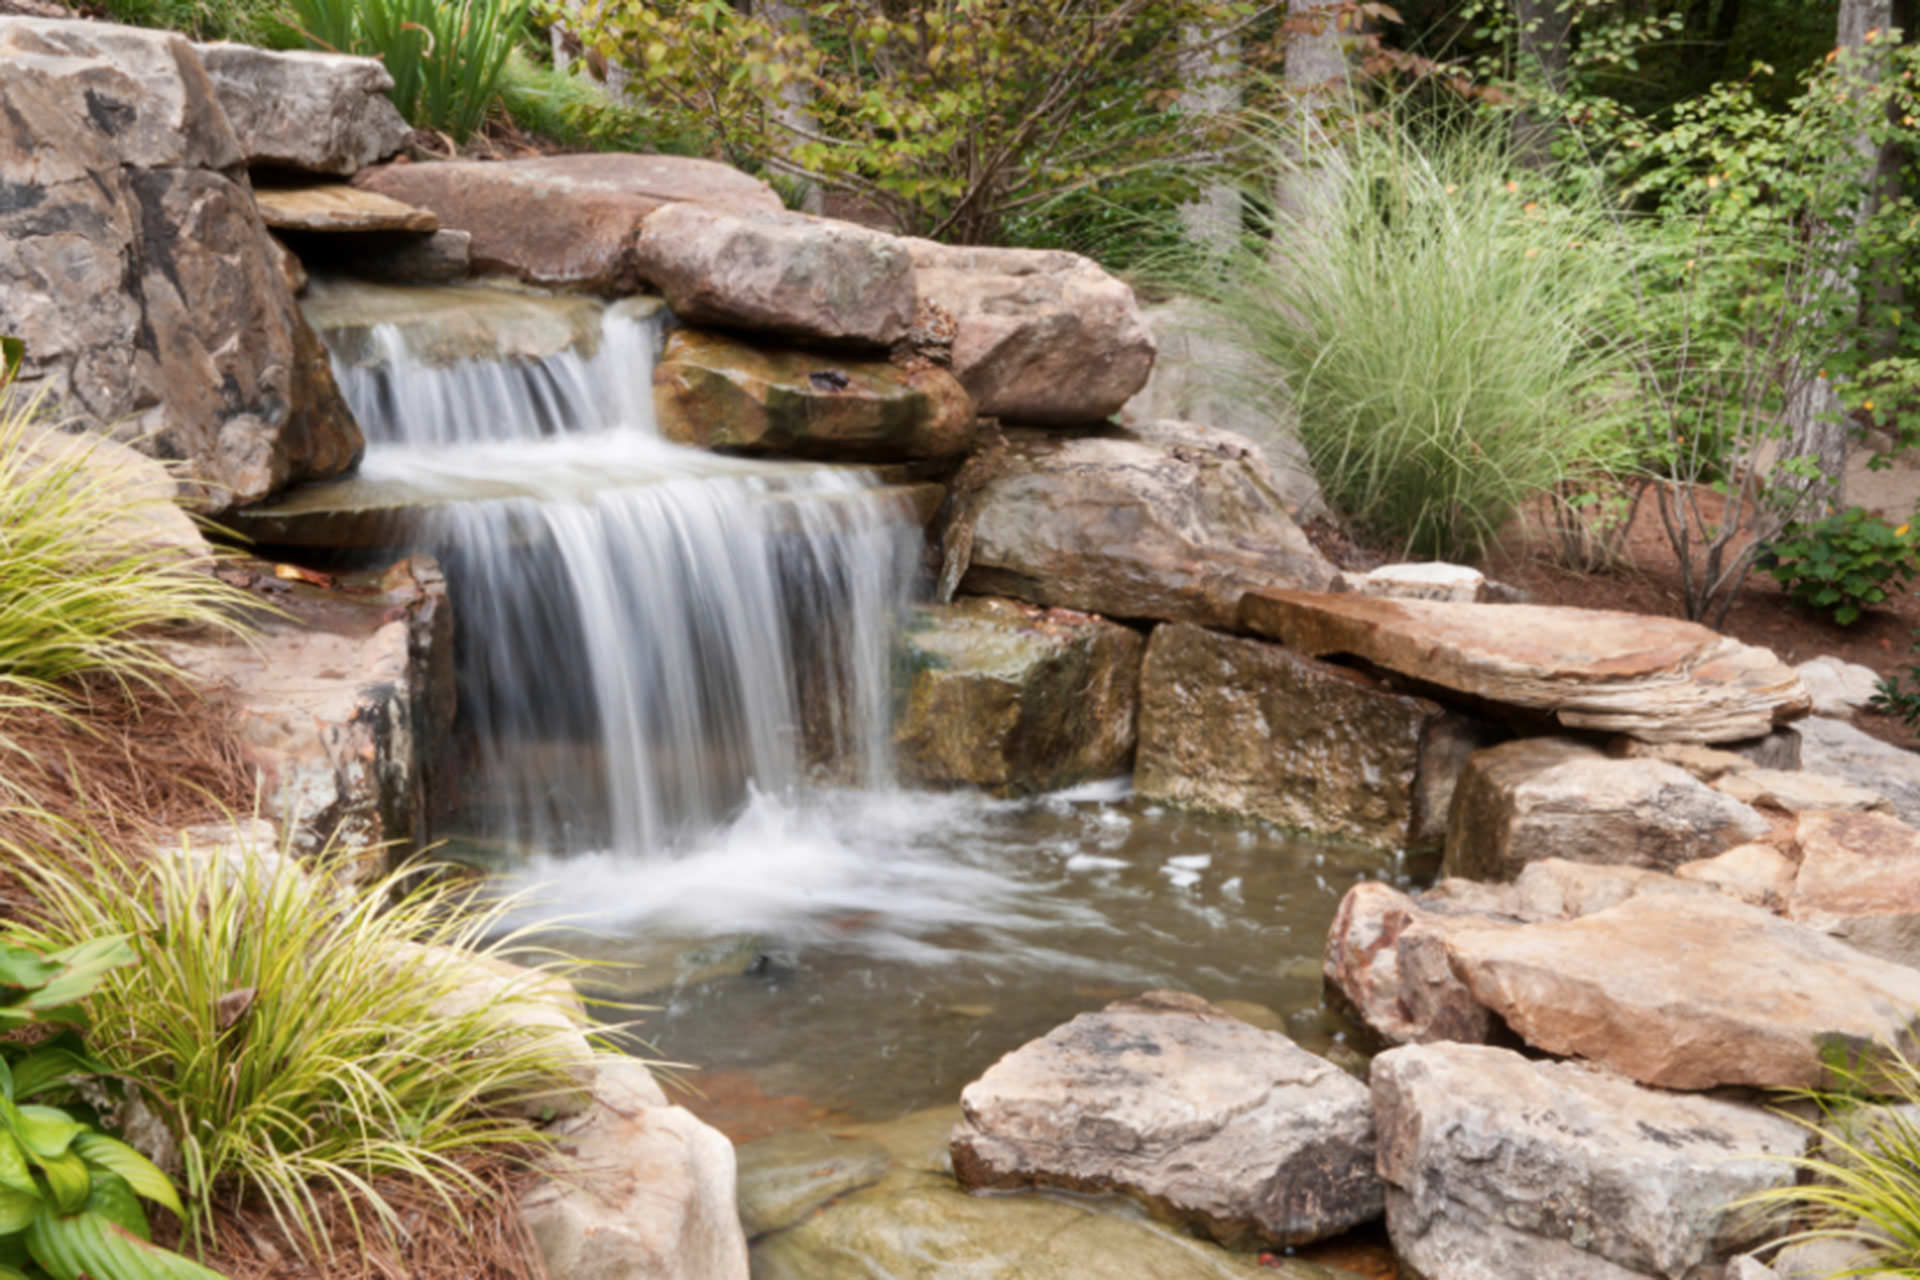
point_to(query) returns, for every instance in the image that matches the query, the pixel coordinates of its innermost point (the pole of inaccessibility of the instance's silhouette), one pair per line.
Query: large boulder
(1498, 1168)
(640, 1191)
(1837, 749)
(1838, 687)
(1859, 880)
(1172, 522)
(1043, 337)
(1658, 679)
(136, 269)
(1238, 1133)
(565, 221)
(1689, 991)
(1246, 727)
(1553, 798)
(788, 274)
(1014, 698)
(1387, 961)
(719, 393)
(313, 112)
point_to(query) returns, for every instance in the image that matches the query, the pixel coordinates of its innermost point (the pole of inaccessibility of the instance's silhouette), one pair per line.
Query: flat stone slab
(1501, 1168)
(335, 206)
(1689, 991)
(1236, 1132)
(567, 221)
(1657, 679)
(1837, 749)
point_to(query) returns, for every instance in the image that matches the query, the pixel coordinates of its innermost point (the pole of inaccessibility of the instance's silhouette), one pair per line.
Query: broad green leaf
(49, 1065)
(24, 967)
(89, 1244)
(14, 1172)
(140, 1173)
(18, 1208)
(81, 969)
(46, 1131)
(67, 1179)
(114, 1200)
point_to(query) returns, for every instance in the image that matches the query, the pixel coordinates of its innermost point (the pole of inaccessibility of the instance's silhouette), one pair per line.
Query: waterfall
(649, 635)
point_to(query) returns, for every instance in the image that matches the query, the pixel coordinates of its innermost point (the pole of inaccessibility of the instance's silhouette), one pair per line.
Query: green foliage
(446, 57)
(249, 21)
(576, 111)
(294, 1033)
(1439, 326)
(1899, 694)
(92, 583)
(951, 115)
(1843, 564)
(69, 1195)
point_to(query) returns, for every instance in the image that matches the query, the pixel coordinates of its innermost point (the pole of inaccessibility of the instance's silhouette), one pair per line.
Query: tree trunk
(1545, 27)
(1816, 425)
(1316, 78)
(1210, 65)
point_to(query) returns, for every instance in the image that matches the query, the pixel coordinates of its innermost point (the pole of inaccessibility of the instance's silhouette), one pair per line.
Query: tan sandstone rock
(1236, 1132)
(309, 111)
(1387, 959)
(720, 393)
(1553, 798)
(565, 221)
(1757, 874)
(1655, 678)
(1246, 727)
(1796, 791)
(1859, 880)
(1044, 337)
(788, 274)
(1170, 521)
(337, 207)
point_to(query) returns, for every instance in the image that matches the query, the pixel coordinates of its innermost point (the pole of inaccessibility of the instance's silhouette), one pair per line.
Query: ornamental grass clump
(309, 1045)
(1439, 326)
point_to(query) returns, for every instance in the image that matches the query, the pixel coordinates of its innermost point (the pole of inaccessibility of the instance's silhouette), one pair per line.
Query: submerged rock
(566, 221)
(786, 1177)
(1006, 696)
(138, 272)
(1554, 798)
(1500, 1168)
(1235, 1132)
(1658, 679)
(1043, 337)
(1247, 727)
(642, 1190)
(720, 393)
(772, 271)
(442, 327)
(295, 109)
(1170, 521)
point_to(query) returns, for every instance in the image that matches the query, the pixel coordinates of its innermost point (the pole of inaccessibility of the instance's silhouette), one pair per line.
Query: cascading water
(650, 634)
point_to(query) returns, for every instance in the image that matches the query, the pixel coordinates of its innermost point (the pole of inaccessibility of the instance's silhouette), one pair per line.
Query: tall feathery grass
(1438, 324)
(304, 1042)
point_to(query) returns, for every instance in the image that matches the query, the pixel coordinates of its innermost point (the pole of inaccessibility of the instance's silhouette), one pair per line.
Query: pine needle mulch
(480, 1237)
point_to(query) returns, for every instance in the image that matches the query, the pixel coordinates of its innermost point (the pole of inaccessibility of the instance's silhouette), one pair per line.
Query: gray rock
(1838, 688)
(1246, 727)
(1837, 748)
(1170, 522)
(786, 1177)
(439, 258)
(1553, 798)
(1043, 337)
(1499, 1168)
(1014, 698)
(642, 1190)
(317, 112)
(1237, 1133)
(811, 279)
(1799, 791)
(136, 269)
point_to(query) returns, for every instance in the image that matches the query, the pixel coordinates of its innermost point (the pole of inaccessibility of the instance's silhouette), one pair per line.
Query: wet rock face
(809, 279)
(1238, 1133)
(1501, 1167)
(1170, 521)
(1553, 798)
(1043, 337)
(719, 393)
(1013, 698)
(1657, 679)
(135, 267)
(569, 222)
(1246, 727)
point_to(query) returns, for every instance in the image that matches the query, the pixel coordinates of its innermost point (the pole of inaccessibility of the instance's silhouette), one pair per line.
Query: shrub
(446, 57)
(1844, 563)
(1440, 328)
(69, 1195)
(285, 1030)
